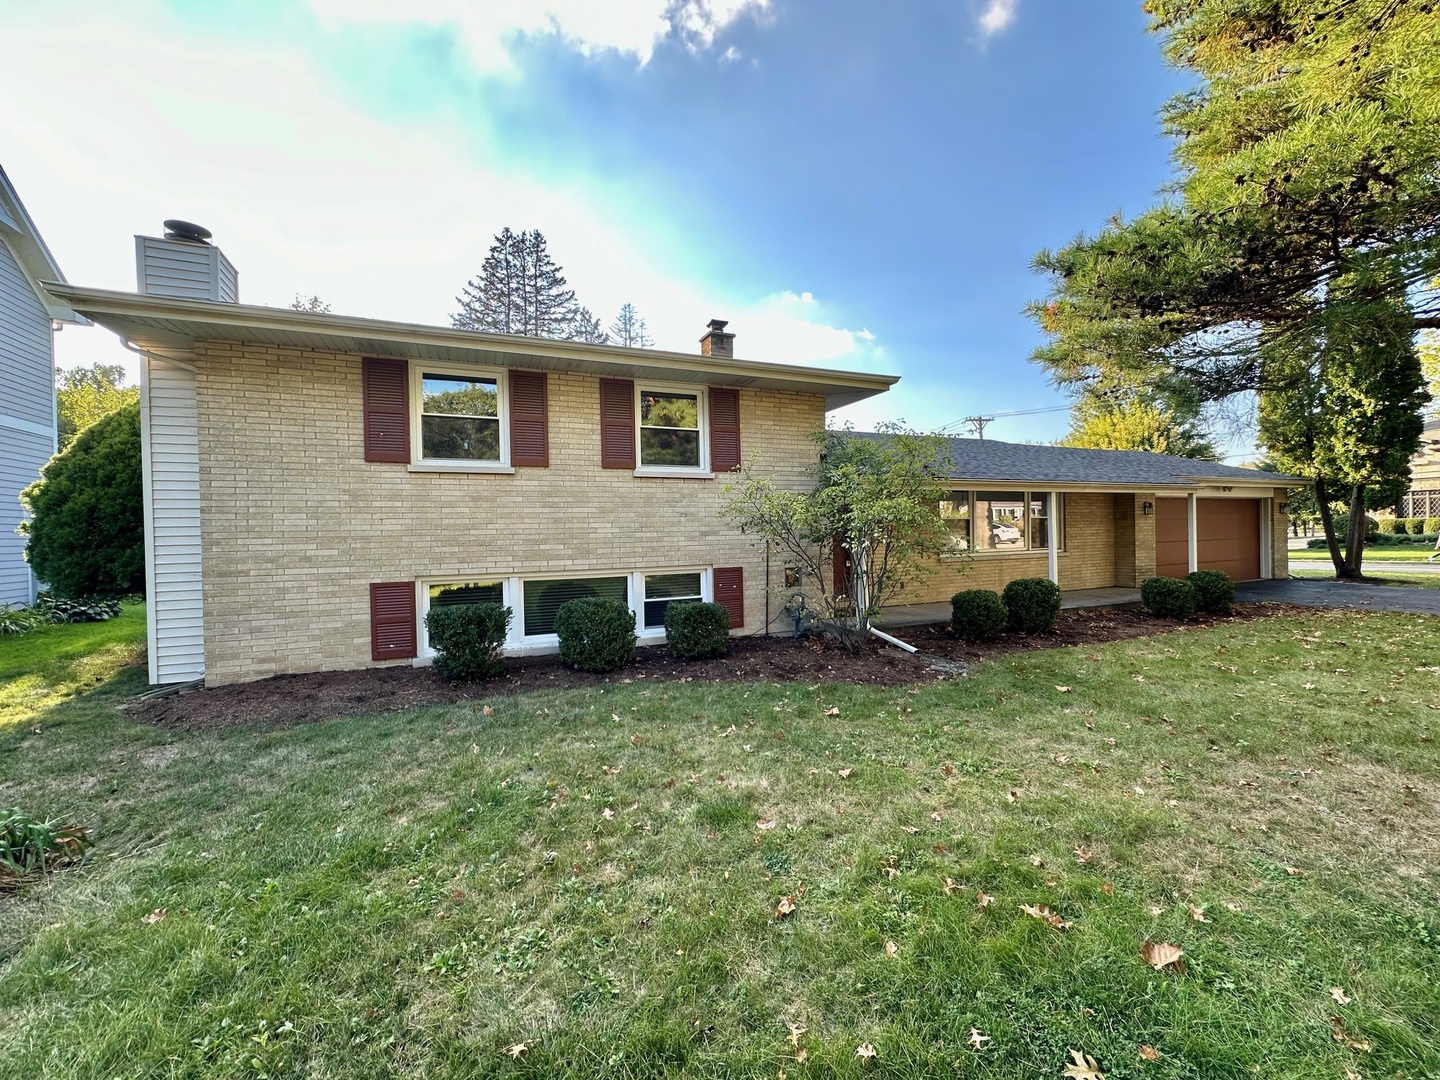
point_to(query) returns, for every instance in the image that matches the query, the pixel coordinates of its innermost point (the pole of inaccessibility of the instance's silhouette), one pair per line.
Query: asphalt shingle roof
(993, 460)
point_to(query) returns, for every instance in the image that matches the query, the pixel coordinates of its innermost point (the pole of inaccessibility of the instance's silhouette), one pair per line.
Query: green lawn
(1409, 581)
(1410, 553)
(593, 875)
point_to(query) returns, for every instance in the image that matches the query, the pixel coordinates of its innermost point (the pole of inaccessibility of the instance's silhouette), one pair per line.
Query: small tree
(629, 330)
(876, 499)
(1133, 422)
(312, 303)
(87, 535)
(85, 395)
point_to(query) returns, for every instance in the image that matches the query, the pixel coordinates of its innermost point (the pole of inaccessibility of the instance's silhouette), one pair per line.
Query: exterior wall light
(1284, 508)
(1147, 508)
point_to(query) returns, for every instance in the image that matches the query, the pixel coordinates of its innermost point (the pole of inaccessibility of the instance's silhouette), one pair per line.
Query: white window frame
(517, 642)
(1053, 517)
(418, 461)
(702, 405)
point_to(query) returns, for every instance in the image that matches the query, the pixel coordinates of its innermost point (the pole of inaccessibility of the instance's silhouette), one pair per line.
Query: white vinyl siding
(171, 455)
(27, 414)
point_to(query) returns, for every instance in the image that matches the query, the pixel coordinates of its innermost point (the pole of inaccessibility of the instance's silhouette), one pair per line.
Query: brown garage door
(1228, 531)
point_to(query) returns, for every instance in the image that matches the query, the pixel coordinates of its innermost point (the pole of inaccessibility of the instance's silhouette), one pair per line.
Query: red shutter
(529, 421)
(392, 620)
(617, 424)
(386, 390)
(730, 591)
(724, 429)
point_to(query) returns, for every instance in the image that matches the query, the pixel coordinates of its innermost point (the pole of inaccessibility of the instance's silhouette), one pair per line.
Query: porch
(924, 614)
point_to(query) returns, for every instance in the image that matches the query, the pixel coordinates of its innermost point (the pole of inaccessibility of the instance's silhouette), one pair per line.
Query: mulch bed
(289, 700)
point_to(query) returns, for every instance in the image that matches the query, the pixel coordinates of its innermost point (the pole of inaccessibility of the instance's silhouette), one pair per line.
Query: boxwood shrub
(1214, 591)
(1417, 526)
(697, 631)
(1032, 604)
(1170, 598)
(467, 639)
(596, 634)
(978, 615)
(1390, 526)
(1432, 525)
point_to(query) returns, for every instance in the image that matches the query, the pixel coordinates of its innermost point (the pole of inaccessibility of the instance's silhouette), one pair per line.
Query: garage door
(1228, 531)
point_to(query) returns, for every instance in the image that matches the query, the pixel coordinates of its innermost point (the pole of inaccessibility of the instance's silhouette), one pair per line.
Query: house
(1092, 519)
(315, 483)
(27, 379)
(1423, 498)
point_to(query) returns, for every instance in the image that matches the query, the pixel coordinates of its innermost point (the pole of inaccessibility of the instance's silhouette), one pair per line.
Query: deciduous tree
(86, 395)
(1131, 422)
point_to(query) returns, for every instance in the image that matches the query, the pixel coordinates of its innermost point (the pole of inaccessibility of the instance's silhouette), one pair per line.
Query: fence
(1420, 503)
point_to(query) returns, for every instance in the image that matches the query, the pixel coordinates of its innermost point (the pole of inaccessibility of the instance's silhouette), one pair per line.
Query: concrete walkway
(1340, 594)
(925, 614)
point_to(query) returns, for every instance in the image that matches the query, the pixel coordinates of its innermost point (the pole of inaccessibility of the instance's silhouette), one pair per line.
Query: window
(1001, 521)
(662, 590)
(460, 415)
(449, 593)
(542, 599)
(671, 429)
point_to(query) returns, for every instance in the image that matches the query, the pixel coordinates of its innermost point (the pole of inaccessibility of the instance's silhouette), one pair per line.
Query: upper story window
(671, 431)
(460, 415)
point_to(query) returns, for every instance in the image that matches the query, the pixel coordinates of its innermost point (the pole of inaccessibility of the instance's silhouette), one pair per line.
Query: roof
(167, 325)
(34, 257)
(992, 461)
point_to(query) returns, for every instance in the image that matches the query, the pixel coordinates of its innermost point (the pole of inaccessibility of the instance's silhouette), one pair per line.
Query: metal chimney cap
(716, 324)
(175, 229)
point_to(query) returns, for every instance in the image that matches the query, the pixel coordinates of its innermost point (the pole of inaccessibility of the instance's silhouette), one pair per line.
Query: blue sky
(852, 184)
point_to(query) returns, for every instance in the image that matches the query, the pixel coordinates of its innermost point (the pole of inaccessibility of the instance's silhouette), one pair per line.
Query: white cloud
(485, 27)
(998, 14)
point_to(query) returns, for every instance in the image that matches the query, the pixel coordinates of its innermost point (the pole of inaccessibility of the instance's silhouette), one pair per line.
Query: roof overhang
(171, 327)
(34, 257)
(1199, 484)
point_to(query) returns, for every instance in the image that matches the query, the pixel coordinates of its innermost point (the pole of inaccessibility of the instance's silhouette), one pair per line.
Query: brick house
(314, 482)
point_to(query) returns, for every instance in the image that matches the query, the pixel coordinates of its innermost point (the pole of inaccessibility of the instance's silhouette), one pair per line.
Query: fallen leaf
(785, 907)
(1293, 871)
(1045, 915)
(977, 1039)
(1063, 689)
(1197, 913)
(517, 1050)
(1083, 1067)
(1340, 1035)
(911, 829)
(948, 769)
(950, 887)
(796, 1030)
(1013, 795)
(936, 816)
(607, 813)
(983, 901)
(765, 825)
(1036, 861)
(891, 949)
(1083, 854)
(1149, 1053)
(1108, 888)
(154, 916)
(636, 740)
(1160, 955)
(844, 774)
(834, 710)
(801, 1054)
(865, 1052)
(487, 711)
(611, 770)
(1341, 998)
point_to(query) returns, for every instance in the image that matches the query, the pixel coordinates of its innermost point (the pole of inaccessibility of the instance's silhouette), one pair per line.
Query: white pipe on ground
(893, 640)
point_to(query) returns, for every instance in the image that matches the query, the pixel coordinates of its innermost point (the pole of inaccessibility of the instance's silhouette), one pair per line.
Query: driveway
(1337, 594)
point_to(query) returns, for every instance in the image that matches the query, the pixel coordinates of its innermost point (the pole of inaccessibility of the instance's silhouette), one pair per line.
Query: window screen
(543, 598)
(662, 590)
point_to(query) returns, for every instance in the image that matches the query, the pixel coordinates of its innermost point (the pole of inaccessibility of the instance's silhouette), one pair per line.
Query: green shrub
(596, 634)
(1432, 525)
(467, 639)
(1342, 526)
(1169, 598)
(697, 631)
(1417, 526)
(17, 620)
(87, 535)
(1390, 526)
(29, 846)
(1032, 604)
(1214, 591)
(59, 609)
(978, 615)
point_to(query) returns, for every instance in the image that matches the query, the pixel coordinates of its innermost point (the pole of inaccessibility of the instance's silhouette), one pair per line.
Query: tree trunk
(1355, 541)
(1327, 522)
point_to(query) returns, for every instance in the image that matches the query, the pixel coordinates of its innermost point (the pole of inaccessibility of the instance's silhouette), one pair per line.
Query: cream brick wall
(1279, 535)
(296, 525)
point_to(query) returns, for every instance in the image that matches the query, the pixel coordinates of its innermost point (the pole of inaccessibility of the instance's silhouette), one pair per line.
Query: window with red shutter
(385, 389)
(529, 420)
(730, 591)
(393, 630)
(724, 429)
(617, 424)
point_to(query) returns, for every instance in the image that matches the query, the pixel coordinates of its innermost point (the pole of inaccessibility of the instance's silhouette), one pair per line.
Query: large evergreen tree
(521, 290)
(629, 329)
(1298, 242)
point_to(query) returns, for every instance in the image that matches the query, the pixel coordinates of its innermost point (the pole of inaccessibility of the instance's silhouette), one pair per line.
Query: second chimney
(716, 342)
(183, 263)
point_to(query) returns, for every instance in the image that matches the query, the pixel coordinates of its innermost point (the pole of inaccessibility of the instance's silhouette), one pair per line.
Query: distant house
(1423, 498)
(316, 483)
(27, 378)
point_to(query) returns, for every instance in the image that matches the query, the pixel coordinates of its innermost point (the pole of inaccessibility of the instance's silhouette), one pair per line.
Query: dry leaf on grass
(1083, 1067)
(765, 824)
(785, 907)
(947, 769)
(154, 916)
(1084, 855)
(982, 900)
(891, 949)
(1013, 795)
(517, 1050)
(487, 711)
(607, 813)
(950, 887)
(1149, 1053)
(911, 829)
(977, 1039)
(834, 710)
(1108, 888)
(1197, 913)
(865, 1052)
(1160, 955)
(1063, 689)
(1341, 998)
(844, 774)
(796, 1030)
(801, 1055)
(1045, 915)
(1340, 1035)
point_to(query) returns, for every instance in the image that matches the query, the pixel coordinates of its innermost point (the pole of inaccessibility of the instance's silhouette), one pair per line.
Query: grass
(1413, 553)
(593, 875)
(50, 664)
(1409, 581)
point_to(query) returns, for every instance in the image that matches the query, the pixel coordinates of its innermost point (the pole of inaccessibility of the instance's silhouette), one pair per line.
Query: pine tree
(521, 290)
(629, 330)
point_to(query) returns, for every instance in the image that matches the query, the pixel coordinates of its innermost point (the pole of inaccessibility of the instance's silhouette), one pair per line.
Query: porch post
(1052, 546)
(1192, 532)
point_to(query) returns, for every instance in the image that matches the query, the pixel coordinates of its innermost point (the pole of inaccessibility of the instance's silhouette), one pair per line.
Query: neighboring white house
(27, 378)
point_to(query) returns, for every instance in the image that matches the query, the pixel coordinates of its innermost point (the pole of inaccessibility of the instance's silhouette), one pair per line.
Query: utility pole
(977, 425)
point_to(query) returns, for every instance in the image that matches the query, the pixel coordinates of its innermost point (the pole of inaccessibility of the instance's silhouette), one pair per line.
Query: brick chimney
(716, 342)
